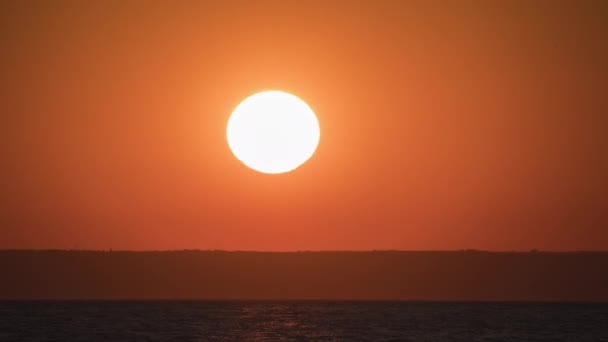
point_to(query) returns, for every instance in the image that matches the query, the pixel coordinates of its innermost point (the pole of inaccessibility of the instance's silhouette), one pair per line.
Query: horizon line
(470, 250)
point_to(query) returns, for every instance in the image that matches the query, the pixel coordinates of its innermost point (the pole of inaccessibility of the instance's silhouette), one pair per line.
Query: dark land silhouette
(373, 275)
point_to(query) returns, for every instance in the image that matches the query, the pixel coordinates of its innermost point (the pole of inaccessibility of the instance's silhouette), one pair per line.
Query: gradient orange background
(444, 125)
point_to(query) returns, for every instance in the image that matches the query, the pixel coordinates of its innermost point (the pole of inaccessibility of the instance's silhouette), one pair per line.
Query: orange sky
(444, 125)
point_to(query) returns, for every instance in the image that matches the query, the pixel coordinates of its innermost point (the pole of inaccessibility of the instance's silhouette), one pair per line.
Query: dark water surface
(301, 321)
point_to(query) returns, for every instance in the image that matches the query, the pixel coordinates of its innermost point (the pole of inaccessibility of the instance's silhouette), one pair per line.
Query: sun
(273, 132)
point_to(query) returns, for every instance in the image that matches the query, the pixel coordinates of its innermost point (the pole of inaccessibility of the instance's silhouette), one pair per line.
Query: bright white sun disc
(273, 132)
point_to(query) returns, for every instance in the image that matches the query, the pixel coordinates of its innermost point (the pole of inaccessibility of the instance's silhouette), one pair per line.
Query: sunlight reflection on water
(301, 321)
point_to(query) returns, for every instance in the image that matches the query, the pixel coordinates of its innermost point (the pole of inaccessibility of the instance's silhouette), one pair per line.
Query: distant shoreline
(418, 276)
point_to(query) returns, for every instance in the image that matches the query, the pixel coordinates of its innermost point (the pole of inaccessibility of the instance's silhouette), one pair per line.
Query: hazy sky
(444, 124)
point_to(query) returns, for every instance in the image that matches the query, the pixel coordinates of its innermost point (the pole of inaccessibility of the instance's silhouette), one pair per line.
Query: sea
(301, 321)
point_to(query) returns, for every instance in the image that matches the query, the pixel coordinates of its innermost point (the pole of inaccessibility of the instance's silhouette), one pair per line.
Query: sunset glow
(436, 126)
